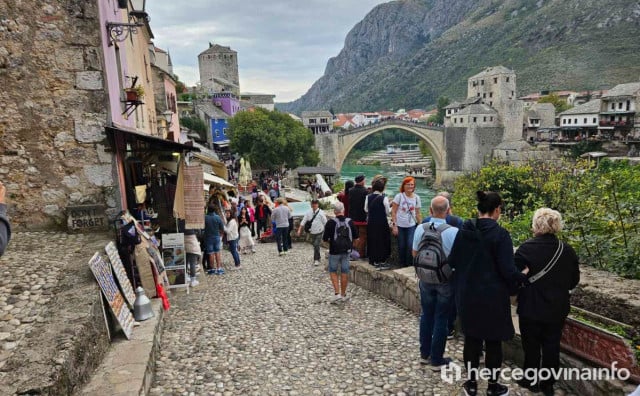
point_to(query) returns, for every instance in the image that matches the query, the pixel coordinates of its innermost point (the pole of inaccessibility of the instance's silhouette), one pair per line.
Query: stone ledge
(129, 365)
(401, 286)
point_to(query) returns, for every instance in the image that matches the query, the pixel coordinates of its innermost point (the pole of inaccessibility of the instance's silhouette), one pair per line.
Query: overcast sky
(283, 45)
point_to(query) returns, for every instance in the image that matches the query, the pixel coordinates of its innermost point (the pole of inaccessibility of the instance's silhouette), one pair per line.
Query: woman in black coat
(484, 278)
(543, 304)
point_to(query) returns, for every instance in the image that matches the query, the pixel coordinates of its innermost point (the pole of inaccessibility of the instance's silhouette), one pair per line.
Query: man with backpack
(340, 232)
(432, 243)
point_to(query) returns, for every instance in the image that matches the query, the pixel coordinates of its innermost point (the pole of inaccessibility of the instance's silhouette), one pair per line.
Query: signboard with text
(102, 272)
(173, 255)
(121, 273)
(87, 218)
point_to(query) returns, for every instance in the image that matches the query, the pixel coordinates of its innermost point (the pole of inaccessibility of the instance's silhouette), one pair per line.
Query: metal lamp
(142, 309)
(168, 116)
(138, 9)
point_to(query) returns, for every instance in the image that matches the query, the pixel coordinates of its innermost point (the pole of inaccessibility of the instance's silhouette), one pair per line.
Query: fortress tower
(219, 69)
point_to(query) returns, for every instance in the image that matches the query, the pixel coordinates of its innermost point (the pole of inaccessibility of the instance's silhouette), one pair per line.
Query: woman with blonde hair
(405, 216)
(543, 304)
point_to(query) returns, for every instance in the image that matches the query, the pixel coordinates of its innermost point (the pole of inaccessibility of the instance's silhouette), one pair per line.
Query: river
(394, 176)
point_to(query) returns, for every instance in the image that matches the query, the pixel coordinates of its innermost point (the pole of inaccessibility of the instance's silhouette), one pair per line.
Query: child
(231, 229)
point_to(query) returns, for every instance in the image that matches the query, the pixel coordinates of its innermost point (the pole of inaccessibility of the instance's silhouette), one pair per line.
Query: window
(481, 82)
(474, 119)
(484, 95)
(512, 93)
(224, 131)
(217, 133)
(484, 118)
(323, 120)
(620, 105)
(475, 83)
(507, 79)
(628, 105)
(490, 103)
(478, 94)
(312, 120)
(455, 120)
(575, 121)
(564, 121)
(491, 94)
(491, 118)
(613, 106)
(585, 121)
(495, 80)
(595, 120)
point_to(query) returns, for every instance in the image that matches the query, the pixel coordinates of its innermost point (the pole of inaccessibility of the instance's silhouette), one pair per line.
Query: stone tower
(219, 69)
(496, 86)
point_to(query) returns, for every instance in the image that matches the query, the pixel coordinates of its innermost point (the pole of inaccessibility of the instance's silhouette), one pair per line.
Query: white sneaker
(280, 253)
(336, 299)
(194, 282)
(316, 263)
(345, 298)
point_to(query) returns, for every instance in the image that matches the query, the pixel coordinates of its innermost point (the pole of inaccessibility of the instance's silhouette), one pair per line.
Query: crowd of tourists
(467, 272)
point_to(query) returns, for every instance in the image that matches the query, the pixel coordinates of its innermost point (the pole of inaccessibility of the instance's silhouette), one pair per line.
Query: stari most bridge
(454, 150)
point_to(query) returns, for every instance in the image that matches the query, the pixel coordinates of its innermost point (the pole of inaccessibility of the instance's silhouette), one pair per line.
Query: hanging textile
(189, 200)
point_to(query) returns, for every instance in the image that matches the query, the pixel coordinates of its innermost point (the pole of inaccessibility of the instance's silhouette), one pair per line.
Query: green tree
(560, 104)
(272, 140)
(424, 149)
(194, 124)
(443, 102)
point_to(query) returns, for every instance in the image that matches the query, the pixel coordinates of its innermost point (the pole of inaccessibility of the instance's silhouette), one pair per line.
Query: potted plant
(135, 93)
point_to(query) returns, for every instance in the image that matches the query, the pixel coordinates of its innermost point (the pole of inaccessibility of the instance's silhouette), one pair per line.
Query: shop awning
(212, 179)
(153, 141)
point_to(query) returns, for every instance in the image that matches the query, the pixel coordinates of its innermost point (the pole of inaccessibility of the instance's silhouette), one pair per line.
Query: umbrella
(243, 179)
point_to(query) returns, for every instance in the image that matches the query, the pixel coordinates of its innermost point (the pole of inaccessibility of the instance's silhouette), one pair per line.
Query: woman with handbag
(543, 304)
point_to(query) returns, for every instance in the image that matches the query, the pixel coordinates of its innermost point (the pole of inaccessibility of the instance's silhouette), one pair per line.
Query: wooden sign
(121, 274)
(102, 272)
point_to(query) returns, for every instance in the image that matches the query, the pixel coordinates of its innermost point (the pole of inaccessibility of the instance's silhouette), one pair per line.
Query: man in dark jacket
(337, 257)
(5, 226)
(357, 196)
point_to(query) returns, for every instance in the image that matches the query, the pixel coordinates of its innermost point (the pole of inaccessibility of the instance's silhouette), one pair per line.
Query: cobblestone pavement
(269, 329)
(31, 268)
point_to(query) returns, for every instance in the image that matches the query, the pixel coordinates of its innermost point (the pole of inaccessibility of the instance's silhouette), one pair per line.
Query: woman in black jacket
(484, 278)
(543, 304)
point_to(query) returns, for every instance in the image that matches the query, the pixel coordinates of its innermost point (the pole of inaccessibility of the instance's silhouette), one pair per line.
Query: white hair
(338, 207)
(546, 221)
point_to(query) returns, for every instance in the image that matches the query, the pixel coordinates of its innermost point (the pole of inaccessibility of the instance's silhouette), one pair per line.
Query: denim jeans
(316, 239)
(233, 248)
(280, 238)
(192, 263)
(436, 302)
(405, 244)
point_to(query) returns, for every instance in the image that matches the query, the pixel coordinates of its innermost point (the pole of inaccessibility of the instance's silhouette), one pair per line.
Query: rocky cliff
(406, 53)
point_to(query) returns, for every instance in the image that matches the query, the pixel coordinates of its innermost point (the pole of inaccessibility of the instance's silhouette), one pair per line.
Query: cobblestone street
(269, 329)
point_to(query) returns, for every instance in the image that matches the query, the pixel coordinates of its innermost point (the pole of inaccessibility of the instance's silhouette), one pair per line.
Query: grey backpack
(431, 262)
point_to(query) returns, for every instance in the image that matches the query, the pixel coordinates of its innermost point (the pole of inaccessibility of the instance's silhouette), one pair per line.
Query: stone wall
(52, 143)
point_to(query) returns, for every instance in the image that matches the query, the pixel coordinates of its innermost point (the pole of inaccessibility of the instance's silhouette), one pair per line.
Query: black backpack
(431, 262)
(342, 238)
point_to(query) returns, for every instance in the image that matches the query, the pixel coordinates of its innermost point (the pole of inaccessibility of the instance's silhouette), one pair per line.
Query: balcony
(622, 124)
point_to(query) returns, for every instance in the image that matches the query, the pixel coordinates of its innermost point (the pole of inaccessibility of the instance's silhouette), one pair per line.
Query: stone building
(581, 120)
(618, 110)
(219, 69)
(266, 101)
(318, 121)
(477, 115)
(540, 116)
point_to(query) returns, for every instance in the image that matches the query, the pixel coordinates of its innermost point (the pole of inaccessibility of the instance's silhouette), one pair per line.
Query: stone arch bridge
(454, 150)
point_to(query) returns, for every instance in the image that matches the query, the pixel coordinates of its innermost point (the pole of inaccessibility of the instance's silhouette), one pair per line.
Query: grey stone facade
(218, 67)
(54, 111)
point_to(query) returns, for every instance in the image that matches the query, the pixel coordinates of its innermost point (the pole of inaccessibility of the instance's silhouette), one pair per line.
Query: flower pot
(599, 346)
(132, 96)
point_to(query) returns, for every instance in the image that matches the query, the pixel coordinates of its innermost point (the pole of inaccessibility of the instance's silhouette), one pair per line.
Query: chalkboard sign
(102, 272)
(121, 274)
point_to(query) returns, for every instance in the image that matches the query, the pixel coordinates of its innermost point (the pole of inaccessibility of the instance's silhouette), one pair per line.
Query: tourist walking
(543, 304)
(5, 226)
(252, 218)
(231, 229)
(192, 249)
(245, 241)
(287, 235)
(263, 214)
(436, 298)
(213, 229)
(314, 222)
(280, 217)
(357, 196)
(340, 232)
(485, 277)
(405, 216)
(378, 236)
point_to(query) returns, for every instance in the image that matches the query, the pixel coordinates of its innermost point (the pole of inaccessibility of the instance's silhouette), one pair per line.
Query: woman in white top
(231, 229)
(405, 216)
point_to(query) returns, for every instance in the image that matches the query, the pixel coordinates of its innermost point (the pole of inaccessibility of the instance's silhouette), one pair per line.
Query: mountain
(407, 53)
